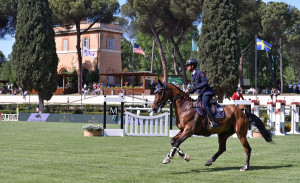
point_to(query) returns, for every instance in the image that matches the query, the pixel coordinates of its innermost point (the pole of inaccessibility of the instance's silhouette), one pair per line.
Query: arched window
(63, 71)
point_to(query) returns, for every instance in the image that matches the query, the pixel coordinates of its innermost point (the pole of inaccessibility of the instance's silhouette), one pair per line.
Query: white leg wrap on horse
(172, 152)
(180, 153)
(166, 160)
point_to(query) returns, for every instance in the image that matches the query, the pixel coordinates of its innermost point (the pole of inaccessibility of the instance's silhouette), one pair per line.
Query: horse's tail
(253, 119)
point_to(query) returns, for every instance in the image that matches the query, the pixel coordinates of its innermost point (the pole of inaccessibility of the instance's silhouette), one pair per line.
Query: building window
(63, 71)
(86, 43)
(65, 46)
(110, 43)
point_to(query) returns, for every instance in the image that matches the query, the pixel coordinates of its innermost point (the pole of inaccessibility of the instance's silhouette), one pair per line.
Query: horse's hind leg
(222, 138)
(247, 149)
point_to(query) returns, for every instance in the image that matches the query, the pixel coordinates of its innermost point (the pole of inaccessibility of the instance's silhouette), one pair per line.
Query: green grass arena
(58, 152)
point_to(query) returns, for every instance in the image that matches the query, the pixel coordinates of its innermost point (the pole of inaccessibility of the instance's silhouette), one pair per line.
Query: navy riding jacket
(200, 84)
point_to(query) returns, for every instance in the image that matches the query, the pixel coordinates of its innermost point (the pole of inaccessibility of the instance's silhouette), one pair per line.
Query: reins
(174, 99)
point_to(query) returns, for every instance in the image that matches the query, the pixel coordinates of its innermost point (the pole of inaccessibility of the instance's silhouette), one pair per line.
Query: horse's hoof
(209, 162)
(166, 160)
(187, 157)
(244, 168)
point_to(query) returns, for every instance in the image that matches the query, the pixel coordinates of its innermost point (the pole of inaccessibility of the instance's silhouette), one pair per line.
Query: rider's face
(189, 67)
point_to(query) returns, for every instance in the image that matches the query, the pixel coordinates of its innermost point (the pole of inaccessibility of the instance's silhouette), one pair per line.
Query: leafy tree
(130, 13)
(6, 72)
(148, 16)
(184, 13)
(278, 18)
(293, 46)
(249, 24)
(126, 55)
(34, 54)
(218, 46)
(93, 76)
(166, 21)
(8, 15)
(68, 12)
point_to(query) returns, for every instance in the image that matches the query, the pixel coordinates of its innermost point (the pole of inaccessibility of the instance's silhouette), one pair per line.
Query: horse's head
(162, 95)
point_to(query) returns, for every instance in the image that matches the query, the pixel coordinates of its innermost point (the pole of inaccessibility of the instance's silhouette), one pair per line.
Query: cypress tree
(218, 45)
(34, 54)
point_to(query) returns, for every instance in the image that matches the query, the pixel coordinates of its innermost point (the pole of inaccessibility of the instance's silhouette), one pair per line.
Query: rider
(200, 84)
(237, 95)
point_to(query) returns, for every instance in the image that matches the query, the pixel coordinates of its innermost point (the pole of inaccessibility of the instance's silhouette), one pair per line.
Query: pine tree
(34, 54)
(218, 45)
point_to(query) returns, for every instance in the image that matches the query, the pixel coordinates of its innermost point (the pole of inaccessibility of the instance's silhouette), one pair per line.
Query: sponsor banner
(75, 118)
(38, 117)
(66, 118)
(24, 116)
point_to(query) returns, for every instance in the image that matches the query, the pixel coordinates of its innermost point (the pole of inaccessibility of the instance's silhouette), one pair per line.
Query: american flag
(138, 49)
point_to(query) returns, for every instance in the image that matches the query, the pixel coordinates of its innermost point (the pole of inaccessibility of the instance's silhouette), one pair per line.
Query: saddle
(218, 111)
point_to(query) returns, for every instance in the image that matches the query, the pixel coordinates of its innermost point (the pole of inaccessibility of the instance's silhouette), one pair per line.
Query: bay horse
(190, 122)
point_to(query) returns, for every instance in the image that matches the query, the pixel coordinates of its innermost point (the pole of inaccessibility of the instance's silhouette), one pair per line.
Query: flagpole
(255, 64)
(132, 59)
(192, 50)
(81, 81)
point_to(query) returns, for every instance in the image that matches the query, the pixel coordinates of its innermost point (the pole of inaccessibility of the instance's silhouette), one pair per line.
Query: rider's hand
(188, 91)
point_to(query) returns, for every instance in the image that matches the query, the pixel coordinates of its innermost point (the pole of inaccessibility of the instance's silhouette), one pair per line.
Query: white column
(271, 113)
(126, 123)
(255, 107)
(280, 104)
(295, 118)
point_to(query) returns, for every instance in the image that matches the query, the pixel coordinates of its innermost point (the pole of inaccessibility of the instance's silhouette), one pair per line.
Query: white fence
(10, 117)
(146, 125)
(276, 115)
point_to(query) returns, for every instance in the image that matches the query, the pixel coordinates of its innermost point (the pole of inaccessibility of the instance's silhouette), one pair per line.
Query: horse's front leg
(175, 142)
(170, 155)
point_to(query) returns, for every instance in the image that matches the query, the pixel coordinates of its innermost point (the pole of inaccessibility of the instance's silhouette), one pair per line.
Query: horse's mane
(180, 91)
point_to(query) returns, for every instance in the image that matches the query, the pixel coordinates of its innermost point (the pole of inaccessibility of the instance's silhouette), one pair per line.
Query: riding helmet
(191, 61)
(238, 89)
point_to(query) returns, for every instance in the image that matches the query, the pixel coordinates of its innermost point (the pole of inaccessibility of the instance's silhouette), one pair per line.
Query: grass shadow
(209, 169)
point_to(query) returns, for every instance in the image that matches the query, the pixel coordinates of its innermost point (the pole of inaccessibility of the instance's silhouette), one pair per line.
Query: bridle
(162, 103)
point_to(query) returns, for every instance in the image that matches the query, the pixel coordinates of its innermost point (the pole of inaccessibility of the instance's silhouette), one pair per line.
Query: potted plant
(92, 130)
(255, 132)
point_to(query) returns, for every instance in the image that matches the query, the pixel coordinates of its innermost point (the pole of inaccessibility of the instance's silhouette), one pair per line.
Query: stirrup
(213, 125)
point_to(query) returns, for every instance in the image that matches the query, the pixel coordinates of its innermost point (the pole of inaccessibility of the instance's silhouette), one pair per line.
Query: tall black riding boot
(212, 123)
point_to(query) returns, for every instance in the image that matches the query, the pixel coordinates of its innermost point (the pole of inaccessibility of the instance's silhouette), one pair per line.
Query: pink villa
(104, 40)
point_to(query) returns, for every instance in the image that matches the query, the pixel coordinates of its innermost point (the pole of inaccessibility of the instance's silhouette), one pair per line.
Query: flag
(263, 45)
(87, 52)
(138, 49)
(1, 59)
(194, 45)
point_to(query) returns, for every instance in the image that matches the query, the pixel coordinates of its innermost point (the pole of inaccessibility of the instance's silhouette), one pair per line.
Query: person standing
(18, 109)
(294, 88)
(201, 86)
(290, 87)
(237, 95)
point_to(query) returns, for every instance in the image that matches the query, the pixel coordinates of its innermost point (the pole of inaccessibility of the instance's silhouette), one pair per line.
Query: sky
(7, 43)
